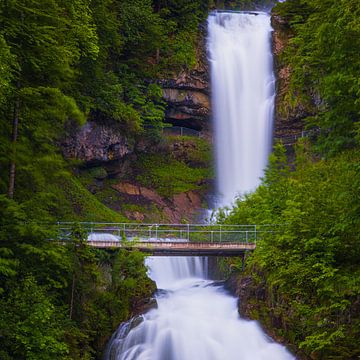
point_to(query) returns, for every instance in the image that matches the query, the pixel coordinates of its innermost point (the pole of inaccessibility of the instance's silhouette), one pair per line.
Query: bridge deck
(180, 248)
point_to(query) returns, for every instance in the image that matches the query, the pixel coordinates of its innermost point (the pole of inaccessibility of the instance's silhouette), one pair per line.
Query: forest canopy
(61, 63)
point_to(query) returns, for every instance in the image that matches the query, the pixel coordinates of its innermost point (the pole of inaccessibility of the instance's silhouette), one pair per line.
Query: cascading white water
(195, 319)
(243, 90)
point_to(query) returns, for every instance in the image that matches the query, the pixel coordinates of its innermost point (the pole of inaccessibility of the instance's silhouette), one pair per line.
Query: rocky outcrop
(243, 287)
(95, 142)
(180, 206)
(187, 108)
(289, 116)
(111, 160)
(258, 302)
(188, 94)
(188, 100)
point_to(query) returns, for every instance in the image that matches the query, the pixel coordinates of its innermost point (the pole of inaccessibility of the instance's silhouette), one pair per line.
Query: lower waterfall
(196, 319)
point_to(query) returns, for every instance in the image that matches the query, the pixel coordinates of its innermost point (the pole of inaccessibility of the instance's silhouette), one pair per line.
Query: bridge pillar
(243, 258)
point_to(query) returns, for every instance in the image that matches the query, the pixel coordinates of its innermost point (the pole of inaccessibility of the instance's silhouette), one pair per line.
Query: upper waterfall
(242, 80)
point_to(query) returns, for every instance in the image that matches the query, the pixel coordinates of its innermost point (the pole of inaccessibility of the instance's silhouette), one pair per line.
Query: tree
(44, 61)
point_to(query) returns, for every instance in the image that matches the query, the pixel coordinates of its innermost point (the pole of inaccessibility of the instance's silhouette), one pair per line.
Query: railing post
(246, 233)
(255, 233)
(212, 236)
(188, 232)
(220, 234)
(156, 231)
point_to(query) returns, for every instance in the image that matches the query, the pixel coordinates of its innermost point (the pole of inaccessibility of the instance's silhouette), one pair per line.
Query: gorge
(107, 117)
(195, 317)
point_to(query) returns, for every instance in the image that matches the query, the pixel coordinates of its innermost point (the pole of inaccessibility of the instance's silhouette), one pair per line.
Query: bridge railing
(167, 232)
(292, 139)
(180, 131)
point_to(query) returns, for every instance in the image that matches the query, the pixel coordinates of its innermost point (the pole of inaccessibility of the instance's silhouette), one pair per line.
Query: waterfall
(195, 317)
(243, 91)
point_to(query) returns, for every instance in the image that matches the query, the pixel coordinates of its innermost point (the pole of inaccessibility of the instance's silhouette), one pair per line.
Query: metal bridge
(170, 239)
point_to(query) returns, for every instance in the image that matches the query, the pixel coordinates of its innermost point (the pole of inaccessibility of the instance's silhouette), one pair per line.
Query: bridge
(170, 239)
(180, 248)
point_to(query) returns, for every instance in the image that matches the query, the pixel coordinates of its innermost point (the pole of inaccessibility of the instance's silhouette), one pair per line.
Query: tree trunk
(14, 137)
(157, 55)
(72, 297)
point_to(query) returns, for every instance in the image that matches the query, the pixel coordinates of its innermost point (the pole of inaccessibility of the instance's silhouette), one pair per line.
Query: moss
(197, 151)
(169, 176)
(179, 164)
(98, 172)
(76, 203)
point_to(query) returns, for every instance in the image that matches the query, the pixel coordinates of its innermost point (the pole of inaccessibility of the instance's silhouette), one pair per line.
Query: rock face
(187, 108)
(110, 159)
(259, 302)
(95, 142)
(188, 94)
(180, 206)
(288, 117)
(243, 287)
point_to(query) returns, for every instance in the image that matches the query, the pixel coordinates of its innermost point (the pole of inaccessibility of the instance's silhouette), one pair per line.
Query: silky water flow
(195, 317)
(243, 92)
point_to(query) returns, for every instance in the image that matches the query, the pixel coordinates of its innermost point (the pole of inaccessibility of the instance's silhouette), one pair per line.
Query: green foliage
(7, 62)
(104, 290)
(75, 202)
(181, 19)
(310, 262)
(248, 4)
(29, 319)
(323, 55)
(169, 176)
(63, 62)
(61, 301)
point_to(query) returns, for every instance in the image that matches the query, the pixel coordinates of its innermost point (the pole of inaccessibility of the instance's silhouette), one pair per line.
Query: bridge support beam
(243, 258)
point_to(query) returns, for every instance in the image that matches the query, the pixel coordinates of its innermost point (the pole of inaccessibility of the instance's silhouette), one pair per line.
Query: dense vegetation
(323, 57)
(309, 266)
(178, 172)
(62, 62)
(61, 302)
(306, 275)
(177, 164)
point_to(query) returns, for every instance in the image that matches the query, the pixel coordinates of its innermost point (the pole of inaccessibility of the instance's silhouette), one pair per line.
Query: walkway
(180, 248)
(171, 239)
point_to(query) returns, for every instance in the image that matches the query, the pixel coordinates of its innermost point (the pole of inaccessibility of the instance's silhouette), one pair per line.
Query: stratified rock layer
(188, 105)
(188, 94)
